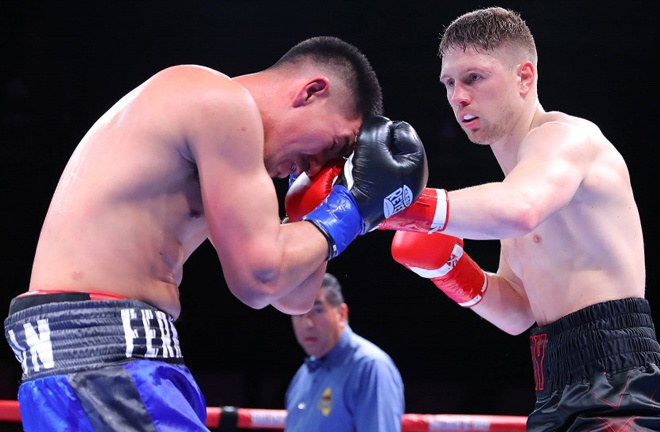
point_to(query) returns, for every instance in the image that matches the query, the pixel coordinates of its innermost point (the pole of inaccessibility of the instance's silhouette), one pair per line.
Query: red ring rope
(9, 411)
(251, 418)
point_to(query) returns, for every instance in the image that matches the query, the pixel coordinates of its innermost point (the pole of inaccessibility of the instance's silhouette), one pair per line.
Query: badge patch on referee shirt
(325, 404)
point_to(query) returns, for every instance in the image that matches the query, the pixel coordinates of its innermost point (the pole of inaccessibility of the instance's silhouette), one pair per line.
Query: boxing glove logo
(398, 200)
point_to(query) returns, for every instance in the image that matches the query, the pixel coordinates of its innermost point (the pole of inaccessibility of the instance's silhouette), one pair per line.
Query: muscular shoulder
(558, 126)
(565, 126)
(199, 87)
(582, 146)
(559, 133)
(204, 106)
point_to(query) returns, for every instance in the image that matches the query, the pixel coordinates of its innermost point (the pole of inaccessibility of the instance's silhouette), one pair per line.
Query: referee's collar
(334, 356)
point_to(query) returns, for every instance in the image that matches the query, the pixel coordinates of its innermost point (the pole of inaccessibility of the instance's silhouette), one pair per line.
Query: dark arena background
(63, 64)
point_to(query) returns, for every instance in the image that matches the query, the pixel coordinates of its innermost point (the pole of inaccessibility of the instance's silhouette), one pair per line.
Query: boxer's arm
(499, 298)
(506, 306)
(296, 300)
(544, 181)
(262, 260)
(551, 164)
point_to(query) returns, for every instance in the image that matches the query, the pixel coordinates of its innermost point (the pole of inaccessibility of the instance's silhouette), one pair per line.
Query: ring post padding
(228, 421)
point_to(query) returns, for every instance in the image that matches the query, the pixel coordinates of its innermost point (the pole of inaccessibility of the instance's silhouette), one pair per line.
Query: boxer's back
(127, 211)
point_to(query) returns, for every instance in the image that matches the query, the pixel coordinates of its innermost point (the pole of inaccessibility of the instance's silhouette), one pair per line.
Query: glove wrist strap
(338, 219)
(428, 214)
(332, 246)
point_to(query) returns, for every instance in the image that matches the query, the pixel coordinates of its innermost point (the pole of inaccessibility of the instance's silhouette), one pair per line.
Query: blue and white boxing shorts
(95, 364)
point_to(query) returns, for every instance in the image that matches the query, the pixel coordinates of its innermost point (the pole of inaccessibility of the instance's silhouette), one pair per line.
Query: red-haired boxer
(572, 253)
(572, 263)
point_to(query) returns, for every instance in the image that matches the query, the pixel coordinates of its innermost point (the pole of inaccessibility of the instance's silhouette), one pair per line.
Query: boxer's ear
(315, 88)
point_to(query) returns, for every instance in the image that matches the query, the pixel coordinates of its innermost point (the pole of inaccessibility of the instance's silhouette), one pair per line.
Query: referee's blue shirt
(356, 387)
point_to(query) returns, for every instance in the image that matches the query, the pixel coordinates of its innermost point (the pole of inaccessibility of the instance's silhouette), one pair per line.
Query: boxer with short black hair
(572, 252)
(189, 156)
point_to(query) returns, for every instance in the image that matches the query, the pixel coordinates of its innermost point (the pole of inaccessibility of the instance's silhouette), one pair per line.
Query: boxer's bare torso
(127, 211)
(590, 247)
(567, 221)
(187, 156)
(565, 214)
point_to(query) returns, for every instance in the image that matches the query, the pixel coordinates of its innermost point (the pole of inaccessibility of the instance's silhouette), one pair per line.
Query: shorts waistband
(62, 336)
(36, 298)
(603, 338)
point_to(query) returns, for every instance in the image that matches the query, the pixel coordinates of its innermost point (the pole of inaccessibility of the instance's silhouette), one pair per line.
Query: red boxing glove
(429, 213)
(441, 258)
(426, 215)
(306, 193)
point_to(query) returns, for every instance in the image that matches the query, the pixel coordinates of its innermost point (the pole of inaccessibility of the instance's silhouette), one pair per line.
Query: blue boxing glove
(386, 173)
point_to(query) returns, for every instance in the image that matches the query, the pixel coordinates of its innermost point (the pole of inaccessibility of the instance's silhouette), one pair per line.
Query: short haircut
(488, 29)
(347, 62)
(333, 294)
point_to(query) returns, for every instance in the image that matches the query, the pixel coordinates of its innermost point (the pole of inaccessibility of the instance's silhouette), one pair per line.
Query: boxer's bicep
(553, 162)
(239, 199)
(261, 261)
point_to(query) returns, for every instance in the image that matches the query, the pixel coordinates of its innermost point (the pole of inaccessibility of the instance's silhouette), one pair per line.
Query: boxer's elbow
(293, 306)
(287, 297)
(263, 276)
(256, 286)
(514, 329)
(256, 293)
(529, 208)
(523, 218)
(516, 322)
(254, 298)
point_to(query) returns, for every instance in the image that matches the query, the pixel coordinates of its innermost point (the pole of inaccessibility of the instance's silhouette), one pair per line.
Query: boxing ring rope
(229, 418)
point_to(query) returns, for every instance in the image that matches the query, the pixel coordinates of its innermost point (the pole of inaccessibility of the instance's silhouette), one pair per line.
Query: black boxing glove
(386, 173)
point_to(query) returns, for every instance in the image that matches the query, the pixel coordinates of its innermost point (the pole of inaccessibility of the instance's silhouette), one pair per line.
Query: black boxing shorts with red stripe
(597, 369)
(94, 363)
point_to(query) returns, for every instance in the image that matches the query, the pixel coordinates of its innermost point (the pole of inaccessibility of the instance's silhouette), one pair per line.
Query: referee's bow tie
(312, 363)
